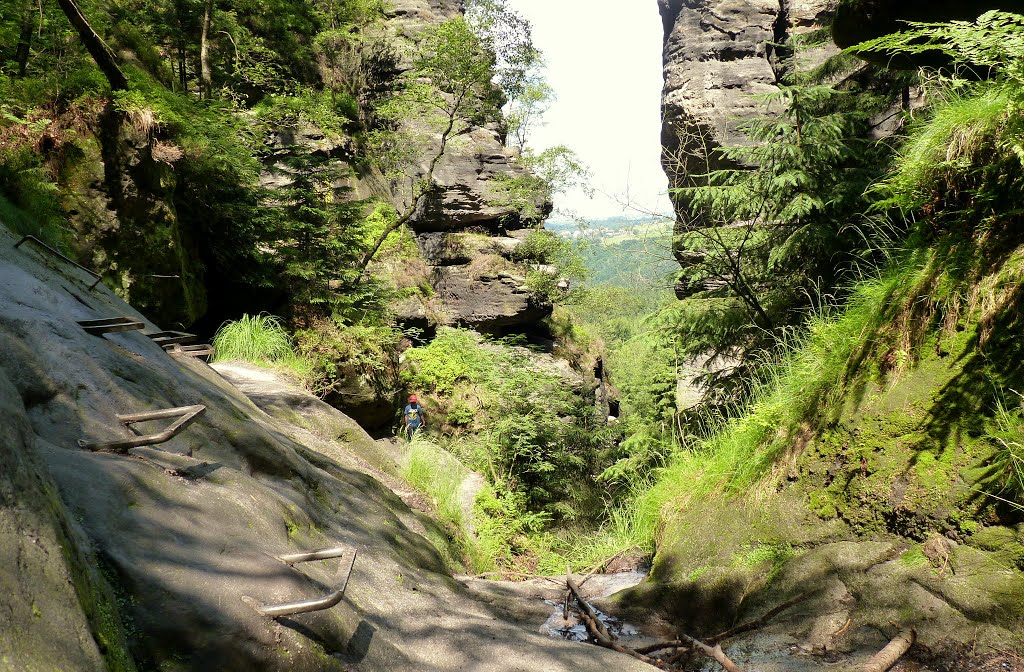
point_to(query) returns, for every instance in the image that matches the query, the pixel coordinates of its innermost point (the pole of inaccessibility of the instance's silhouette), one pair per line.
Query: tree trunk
(205, 78)
(182, 69)
(25, 40)
(97, 48)
(429, 179)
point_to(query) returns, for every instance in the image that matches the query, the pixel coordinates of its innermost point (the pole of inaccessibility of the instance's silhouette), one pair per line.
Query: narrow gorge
(779, 428)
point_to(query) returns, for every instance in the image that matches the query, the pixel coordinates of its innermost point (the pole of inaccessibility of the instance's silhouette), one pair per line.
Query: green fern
(993, 45)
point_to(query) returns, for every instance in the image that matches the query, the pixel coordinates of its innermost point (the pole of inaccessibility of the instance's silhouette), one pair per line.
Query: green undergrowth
(262, 340)
(437, 474)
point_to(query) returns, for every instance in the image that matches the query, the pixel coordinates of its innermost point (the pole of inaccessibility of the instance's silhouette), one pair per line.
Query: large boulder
(182, 531)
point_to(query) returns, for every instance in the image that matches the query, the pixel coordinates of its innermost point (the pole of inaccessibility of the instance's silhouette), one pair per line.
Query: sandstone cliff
(141, 560)
(719, 55)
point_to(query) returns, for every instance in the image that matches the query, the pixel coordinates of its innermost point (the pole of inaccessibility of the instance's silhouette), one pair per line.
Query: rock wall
(466, 293)
(719, 55)
(179, 533)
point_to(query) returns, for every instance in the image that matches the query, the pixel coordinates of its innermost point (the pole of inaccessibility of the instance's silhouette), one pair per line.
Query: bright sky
(604, 62)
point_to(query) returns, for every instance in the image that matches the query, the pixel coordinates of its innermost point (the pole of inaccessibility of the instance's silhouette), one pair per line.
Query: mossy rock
(1004, 543)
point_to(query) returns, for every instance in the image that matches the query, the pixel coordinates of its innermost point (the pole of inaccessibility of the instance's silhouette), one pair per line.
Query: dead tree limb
(661, 646)
(715, 652)
(599, 632)
(95, 45)
(586, 608)
(893, 651)
(761, 621)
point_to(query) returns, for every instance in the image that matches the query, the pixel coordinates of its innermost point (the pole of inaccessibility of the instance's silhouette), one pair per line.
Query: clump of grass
(631, 527)
(966, 126)
(802, 381)
(435, 472)
(1008, 462)
(253, 338)
(260, 339)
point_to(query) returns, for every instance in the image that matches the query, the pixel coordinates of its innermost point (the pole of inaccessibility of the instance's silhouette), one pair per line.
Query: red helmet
(413, 399)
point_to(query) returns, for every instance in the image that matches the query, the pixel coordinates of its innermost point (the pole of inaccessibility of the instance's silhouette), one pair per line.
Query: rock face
(477, 282)
(178, 533)
(119, 197)
(718, 55)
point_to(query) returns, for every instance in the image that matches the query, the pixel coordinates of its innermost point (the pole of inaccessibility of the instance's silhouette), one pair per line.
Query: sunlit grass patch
(263, 340)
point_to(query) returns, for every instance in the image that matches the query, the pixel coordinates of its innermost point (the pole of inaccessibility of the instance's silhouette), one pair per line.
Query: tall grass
(436, 473)
(961, 132)
(801, 383)
(260, 339)
(1008, 462)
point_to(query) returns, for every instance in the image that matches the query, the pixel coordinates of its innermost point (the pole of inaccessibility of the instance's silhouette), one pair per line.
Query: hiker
(413, 417)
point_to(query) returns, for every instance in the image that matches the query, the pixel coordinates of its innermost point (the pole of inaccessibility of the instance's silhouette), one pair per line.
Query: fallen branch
(714, 652)
(651, 648)
(759, 622)
(892, 652)
(599, 632)
(587, 610)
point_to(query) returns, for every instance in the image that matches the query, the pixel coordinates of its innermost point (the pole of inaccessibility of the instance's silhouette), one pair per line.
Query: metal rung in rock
(185, 415)
(204, 350)
(58, 254)
(110, 325)
(348, 559)
(165, 338)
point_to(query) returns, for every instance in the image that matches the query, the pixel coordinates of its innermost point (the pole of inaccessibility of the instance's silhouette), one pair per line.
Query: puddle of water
(574, 630)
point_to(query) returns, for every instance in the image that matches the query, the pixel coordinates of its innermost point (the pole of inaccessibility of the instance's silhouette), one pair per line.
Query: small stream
(598, 586)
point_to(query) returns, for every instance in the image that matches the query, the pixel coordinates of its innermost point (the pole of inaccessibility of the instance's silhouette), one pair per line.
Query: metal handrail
(35, 240)
(186, 416)
(348, 560)
(110, 325)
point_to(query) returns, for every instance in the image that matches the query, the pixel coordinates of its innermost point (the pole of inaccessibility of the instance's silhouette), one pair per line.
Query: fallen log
(893, 651)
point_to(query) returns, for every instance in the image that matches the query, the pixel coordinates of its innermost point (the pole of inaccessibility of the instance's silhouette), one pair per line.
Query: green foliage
(526, 110)
(1009, 461)
(955, 139)
(253, 338)
(262, 340)
(454, 355)
(336, 350)
(506, 35)
(435, 472)
(331, 113)
(530, 433)
(528, 194)
(994, 44)
(760, 246)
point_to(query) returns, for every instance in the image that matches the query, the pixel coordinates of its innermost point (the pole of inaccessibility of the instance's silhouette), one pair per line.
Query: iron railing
(186, 416)
(58, 254)
(348, 559)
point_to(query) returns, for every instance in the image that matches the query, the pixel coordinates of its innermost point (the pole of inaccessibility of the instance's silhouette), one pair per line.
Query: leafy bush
(530, 432)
